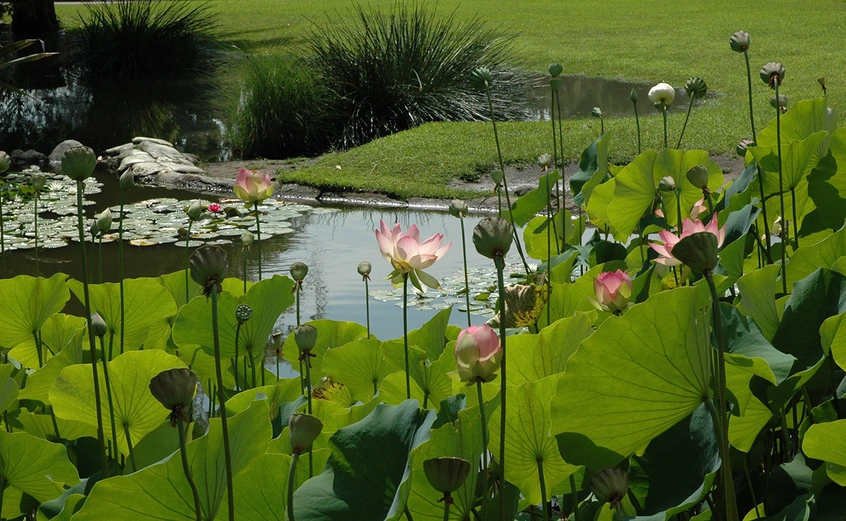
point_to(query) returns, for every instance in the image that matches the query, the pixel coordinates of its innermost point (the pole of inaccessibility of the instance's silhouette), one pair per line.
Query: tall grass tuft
(396, 70)
(284, 109)
(127, 38)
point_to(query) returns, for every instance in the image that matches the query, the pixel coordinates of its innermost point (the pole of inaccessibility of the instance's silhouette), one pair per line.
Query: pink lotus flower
(699, 208)
(252, 186)
(215, 208)
(408, 255)
(688, 228)
(478, 354)
(612, 290)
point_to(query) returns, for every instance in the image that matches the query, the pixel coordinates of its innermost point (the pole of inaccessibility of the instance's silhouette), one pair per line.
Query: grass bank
(640, 40)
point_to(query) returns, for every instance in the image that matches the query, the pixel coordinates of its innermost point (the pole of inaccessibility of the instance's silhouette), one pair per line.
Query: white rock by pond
(148, 158)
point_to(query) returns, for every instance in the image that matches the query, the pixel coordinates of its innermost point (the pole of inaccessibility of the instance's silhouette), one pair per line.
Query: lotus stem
(544, 502)
(292, 476)
(499, 261)
(100, 257)
(684, 126)
(109, 398)
(187, 469)
(795, 220)
(425, 399)
(92, 347)
(505, 182)
(258, 239)
(575, 495)
(297, 290)
(447, 499)
(559, 197)
(749, 85)
(637, 122)
(764, 214)
(405, 333)
(38, 350)
(35, 216)
(235, 365)
(721, 425)
(2, 485)
(367, 302)
(484, 447)
(781, 195)
(2, 245)
(120, 267)
(129, 445)
(222, 399)
(466, 279)
(664, 113)
(187, 271)
(310, 411)
(678, 211)
(245, 270)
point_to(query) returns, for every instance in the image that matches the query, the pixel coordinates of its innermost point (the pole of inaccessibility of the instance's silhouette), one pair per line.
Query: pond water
(331, 241)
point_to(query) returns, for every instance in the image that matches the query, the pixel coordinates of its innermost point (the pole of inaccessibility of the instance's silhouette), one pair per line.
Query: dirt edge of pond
(220, 177)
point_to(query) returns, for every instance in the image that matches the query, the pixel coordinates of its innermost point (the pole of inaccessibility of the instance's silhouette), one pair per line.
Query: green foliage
(127, 38)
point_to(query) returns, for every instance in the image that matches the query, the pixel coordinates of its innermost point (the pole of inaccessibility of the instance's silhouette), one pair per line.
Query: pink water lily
(215, 208)
(252, 186)
(689, 227)
(478, 354)
(613, 291)
(408, 255)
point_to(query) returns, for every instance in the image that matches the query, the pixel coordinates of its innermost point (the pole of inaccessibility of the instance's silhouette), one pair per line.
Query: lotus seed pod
(243, 312)
(555, 70)
(298, 270)
(695, 87)
(457, 208)
(305, 336)
(446, 475)
(596, 112)
(698, 251)
(497, 176)
(127, 180)
(208, 266)
(247, 238)
(195, 211)
(38, 182)
(772, 74)
(304, 429)
(481, 78)
(667, 184)
(633, 96)
(743, 145)
(5, 162)
(98, 325)
(492, 237)
(698, 177)
(79, 162)
(610, 486)
(174, 387)
(821, 81)
(104, 220)
(780, 103)
(545, 161)
(739, 41)
(364, 268)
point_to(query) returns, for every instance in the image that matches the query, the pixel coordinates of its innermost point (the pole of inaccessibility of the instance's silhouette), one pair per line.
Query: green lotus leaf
(261, 492)
(34, 466)
(57, 333)
(203, 364)
(359, 365)
(535, 235)
(161, 492)
(568, 299)
(757, 291)
(747, 348)
(27, 302)
(639, 379)
(751, 415)
(798, 158)
(134, 404)
(525, 207)
(528, 440)
(462, 439)
(174, 283)
(368, 474)
(601, 197)
(146, 305)
(827, 183)
(827, 442)
(593, 169)
(532, 357)
(268, 299)
(432, 336)
(8, 388)
(823, 254)
(330, 334)
(429, 380)
(804, 118)
(43, 426)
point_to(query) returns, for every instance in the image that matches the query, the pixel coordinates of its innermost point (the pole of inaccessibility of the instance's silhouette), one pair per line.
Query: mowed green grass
(641, 40)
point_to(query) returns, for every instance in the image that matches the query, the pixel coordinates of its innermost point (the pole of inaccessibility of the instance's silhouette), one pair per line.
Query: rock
(187, 169)
(55, 157)
(159, 151)
(119, 150)
(141, 139)
(21, 159)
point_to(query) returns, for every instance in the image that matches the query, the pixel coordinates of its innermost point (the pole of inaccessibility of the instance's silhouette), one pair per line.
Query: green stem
(425, 400)
(558, 197)
(484, 447)
(187, 240)
(684, 126)
(499, 261)
(749, 85)
(575, 495)
(664, 112)
(367, 303)
(764, 213)
(252, 366)
(466, 279)
(297, 288)
(405, 333)
(129, 445)
(678, 212)
(120, 267)
(2, 490)
(187, 468)
(781, 196)
(36, 233)
(109, 398)
(100, 257)
(237, 335)
(244, 253)
(222, 399)
(795, 220)
(292, 476)
(544, 503)
(310, 411)
(637, 122)
(258, 239)
(447, 499)
(2, 240)
(749, 484)
(38, 350)
(601, 126)
(92, 346)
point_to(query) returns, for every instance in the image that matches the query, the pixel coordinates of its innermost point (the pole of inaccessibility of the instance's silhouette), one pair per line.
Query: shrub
(147, 37)
(393, 71)
(283, 110)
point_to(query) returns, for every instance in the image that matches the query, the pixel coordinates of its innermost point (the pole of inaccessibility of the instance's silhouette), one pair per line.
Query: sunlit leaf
(330, 334)
(359, 365)
(532, 357)
(27, 302)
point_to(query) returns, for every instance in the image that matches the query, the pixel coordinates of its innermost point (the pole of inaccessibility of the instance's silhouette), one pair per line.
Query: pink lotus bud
(215, 208)
(613, 291)
(478, 354)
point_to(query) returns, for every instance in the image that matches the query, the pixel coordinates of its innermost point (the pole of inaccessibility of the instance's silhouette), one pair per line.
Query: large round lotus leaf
(330, 334)
(641, 372)
(57, 333)
(27, 302)
(359, 365)
(147, 305)
(430, 381)
(134, 405)
(532, 357)
(825, 441)
(161, 492)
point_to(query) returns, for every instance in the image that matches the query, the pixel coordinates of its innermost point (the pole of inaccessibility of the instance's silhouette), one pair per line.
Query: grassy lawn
(641, 40)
